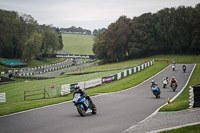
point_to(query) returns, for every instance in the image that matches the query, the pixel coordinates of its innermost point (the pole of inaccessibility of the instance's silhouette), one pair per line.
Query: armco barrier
(69, 88)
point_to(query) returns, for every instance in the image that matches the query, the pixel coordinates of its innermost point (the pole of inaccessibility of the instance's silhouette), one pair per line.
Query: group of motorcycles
(156, 90)
(83, 104)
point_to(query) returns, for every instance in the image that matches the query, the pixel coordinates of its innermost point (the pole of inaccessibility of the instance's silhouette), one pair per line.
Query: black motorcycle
(184, 68)
(174, 86)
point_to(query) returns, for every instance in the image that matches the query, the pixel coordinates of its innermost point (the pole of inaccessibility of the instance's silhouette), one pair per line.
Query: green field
(78, 44)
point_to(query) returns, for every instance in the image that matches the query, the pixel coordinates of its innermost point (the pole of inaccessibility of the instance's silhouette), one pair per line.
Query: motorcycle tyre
(164, 85)
(94, 109)
(80, 110)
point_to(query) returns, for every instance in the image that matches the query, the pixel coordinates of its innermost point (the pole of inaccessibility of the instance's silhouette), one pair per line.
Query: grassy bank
(78, 44)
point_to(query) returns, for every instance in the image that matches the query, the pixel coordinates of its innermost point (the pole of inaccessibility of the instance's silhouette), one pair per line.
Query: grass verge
(188, 129)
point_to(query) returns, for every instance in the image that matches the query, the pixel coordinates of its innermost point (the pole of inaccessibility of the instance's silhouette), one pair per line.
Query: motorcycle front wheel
(81, 110)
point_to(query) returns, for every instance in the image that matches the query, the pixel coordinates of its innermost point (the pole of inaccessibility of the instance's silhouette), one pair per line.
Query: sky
(88, 14)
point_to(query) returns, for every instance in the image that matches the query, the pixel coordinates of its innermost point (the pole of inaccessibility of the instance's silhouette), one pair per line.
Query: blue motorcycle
(83, 104)
(156, 91)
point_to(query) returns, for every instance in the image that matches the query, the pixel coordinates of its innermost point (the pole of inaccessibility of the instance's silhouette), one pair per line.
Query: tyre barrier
(194, 96)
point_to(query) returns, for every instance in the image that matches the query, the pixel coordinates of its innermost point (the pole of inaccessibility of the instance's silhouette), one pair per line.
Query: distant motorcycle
(165, 82)
(174, 86)
(173, 67)
(156, 91)
(83, 104)
(184, 68)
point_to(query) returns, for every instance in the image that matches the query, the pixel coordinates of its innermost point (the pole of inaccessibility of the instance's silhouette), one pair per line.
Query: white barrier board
(2, 97)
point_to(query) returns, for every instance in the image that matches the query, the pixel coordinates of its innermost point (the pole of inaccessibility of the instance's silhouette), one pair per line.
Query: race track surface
(116, 112)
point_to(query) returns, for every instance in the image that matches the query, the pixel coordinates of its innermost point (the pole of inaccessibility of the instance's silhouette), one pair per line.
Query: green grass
(188, 129)
(190, 59)
(78, 44)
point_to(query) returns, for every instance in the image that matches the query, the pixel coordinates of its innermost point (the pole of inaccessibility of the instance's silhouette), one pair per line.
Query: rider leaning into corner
(173, 80)
(166, 78)
(153, 83)
(77, 89)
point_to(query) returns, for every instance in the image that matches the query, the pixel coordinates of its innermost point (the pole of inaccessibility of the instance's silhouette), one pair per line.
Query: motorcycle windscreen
(155, 88)
(77, 96)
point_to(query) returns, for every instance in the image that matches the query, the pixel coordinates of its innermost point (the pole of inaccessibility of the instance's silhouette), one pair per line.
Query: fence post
(44, 92)
(24, 95)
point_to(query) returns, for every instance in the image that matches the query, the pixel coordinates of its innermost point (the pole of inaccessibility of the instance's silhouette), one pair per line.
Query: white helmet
(152, 81)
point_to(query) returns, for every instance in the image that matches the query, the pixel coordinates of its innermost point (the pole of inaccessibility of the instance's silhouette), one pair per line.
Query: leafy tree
(32, 47)
(50, 43)
(195, 46)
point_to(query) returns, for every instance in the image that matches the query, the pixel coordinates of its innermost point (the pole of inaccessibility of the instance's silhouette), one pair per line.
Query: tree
(32, 47)
(50, 43)
(112, 45)
(195, 46)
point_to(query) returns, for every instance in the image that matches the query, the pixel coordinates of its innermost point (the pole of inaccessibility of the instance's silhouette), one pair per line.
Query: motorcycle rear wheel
(94, 109)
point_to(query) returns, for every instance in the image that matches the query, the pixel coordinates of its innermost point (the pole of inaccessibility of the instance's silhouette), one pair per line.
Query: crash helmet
(166, 77)
(173, 77)
(76, 87)
(152, 81)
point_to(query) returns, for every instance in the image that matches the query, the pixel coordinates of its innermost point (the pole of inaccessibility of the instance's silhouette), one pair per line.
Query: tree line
(79, 30)
(21, 37)
(168, 31)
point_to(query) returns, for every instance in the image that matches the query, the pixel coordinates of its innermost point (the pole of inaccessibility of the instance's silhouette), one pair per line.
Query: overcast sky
(88, 14)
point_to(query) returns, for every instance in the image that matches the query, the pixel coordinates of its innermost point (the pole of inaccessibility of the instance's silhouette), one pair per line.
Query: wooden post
(24, 95)
(44, 92)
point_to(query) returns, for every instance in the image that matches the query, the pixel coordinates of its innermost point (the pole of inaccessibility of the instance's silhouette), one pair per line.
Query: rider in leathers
(83, 93)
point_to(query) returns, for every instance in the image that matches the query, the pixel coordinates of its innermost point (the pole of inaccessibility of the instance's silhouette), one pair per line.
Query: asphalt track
(116, 112)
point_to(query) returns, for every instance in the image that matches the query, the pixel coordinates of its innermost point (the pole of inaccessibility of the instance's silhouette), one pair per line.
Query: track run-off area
(117, 112)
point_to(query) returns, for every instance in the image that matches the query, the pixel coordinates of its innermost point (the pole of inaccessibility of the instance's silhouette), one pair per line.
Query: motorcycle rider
(83, 93)
(173, 80)
(153, 83)
(184, 67)
(173, 62)
(166, 78)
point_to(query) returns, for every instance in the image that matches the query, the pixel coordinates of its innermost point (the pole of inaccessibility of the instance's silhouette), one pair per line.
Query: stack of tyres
(196, 90)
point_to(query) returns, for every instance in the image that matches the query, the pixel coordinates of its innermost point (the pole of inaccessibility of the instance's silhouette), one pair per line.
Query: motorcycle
(174, 86)
(173, 67)
(184, 69)
(83, 104)
(156, 91)
(165, 82)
